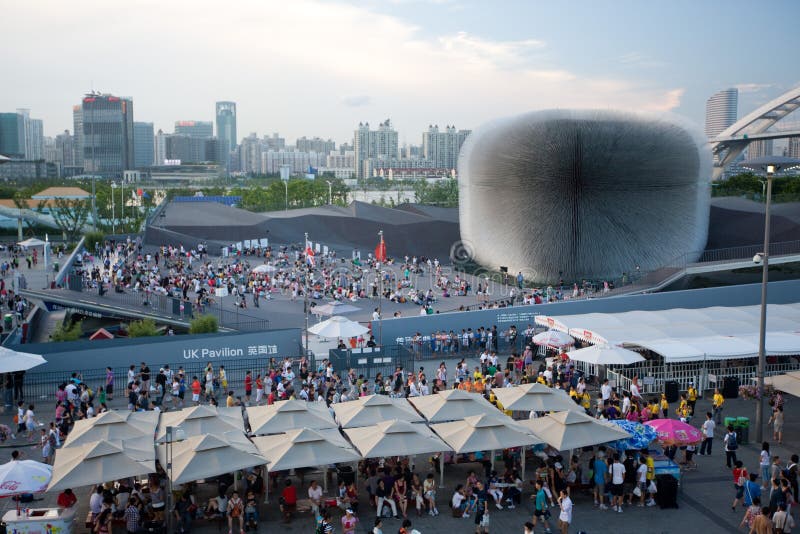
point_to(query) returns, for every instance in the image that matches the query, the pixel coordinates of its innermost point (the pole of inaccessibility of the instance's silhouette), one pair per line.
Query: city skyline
(419, 62)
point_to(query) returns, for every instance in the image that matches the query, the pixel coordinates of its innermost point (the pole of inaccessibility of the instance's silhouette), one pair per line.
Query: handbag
(637, 491)
(652, 488)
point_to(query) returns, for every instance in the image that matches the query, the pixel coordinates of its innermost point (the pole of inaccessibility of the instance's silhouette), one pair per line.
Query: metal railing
(370, 362)
(705, 376)
(42, 386)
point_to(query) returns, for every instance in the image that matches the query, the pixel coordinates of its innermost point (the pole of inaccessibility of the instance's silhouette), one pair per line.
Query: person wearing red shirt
(196, 389)
(740, 477)
(67, 499)
(288, 501)
(248, 386)
(259, 389)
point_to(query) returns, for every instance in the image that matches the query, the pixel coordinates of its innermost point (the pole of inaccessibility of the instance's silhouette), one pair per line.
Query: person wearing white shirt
(605, 390)
(565, 516)
(708, 434)
(617, 472)
(626, 404)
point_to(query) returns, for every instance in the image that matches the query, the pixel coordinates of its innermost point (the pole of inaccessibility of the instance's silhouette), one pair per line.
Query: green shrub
(143, 328)
(67, 333)
(203, 324)
(92, 239)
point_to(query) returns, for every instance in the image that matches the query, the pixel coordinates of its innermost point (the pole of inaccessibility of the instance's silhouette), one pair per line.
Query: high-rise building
(198, 129)
(77, 132)
(721, 111)
(190, 149)
(250, 151)
(441, 148)
(759, 149)
(108, 147)
(143, 145)
(793, 148)
(319, 145)
(226, 131)
(161, 147)
(12, 135)
(369, 144)
(65, 148)
(275, 142)
(34, 135)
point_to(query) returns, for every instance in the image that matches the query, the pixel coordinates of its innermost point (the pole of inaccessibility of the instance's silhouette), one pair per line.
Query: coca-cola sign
(10, 485)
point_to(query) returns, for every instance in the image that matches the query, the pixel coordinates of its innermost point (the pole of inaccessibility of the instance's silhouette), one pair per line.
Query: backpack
(320, 528)
(732, 444)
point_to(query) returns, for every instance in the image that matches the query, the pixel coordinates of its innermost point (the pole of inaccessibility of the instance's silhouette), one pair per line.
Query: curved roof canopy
(681, 334)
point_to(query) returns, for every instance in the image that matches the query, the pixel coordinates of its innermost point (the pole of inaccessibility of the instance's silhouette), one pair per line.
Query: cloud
(753, 87)
(356, 101)
(288, 68)
(639, 60)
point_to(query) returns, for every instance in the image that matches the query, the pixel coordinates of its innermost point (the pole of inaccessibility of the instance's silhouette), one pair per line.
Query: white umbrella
(553, 338)
(101, 461)
(451, 405)
(11, 360)
(788, 382)
(264, 268)
(289, 415)
(210, 455)
(395, 438)
(304, 447)
(605, 355)
(373, 409)
(572, 430)
(201, 420)
(535, 397)
(115, 426)
(32, 242)
(334, 308)
(484, 433)
(338, 327)
(24, 476)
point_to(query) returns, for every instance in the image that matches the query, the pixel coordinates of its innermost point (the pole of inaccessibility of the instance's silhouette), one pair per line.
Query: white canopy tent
(683, 335)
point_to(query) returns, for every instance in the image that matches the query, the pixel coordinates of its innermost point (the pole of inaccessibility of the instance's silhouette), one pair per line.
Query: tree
(442, 193)
(70, 216)
(143, 328)
(21, 202)
(203, 324)
(67, 333)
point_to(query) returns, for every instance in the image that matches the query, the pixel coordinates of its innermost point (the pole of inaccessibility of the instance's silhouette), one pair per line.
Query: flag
(309, 254)
(380, 250)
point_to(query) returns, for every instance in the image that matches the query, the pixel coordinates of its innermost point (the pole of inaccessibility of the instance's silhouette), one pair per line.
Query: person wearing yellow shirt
(477, 375)
(683, 407)
(664, 406)
(541, 379)
(717, 402)
(586, 400)
(654, 409)
(691, 395)
(573, 393)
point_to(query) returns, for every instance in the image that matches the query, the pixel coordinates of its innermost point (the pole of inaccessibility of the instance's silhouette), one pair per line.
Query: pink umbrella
(675, 432)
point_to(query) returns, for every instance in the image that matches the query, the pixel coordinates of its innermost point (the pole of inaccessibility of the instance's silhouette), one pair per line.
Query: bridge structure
(729, 144)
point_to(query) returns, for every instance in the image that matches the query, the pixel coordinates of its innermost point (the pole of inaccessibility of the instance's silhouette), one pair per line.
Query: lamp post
(113, 215)
(305, 291)
(770, 164)
(330, 192)
(173, 434)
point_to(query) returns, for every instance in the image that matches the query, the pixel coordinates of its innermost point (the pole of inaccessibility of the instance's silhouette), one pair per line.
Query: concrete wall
(745, 295)
(175, 350)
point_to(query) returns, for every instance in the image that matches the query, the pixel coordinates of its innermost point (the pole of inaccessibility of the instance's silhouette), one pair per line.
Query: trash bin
(8, 321)
(56, 266)
(730, 421)
(744, 429)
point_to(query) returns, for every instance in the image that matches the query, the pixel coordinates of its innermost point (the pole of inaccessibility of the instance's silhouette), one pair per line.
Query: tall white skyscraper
(721, 111)
(34, 135)
(441, 148)
(759, 149)
(793, 150)
(374, 144)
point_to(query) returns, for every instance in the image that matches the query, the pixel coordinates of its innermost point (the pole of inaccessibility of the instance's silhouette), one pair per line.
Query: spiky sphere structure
(583, 194)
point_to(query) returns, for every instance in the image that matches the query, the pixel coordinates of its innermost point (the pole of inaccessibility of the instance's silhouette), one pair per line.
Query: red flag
(380, 251)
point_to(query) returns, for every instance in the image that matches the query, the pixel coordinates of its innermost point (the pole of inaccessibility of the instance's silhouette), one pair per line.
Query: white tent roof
(681, 334)
(372, 410)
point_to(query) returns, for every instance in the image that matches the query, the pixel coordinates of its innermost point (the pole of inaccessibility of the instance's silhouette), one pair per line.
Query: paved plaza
(704, 500)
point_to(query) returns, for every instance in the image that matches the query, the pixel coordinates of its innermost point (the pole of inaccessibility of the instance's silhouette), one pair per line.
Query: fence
(432, 347)
(704, 375)
(370, 362)
(43, 386)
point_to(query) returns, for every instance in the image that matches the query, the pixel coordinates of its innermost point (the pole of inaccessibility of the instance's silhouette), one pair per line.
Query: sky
(318, 67)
